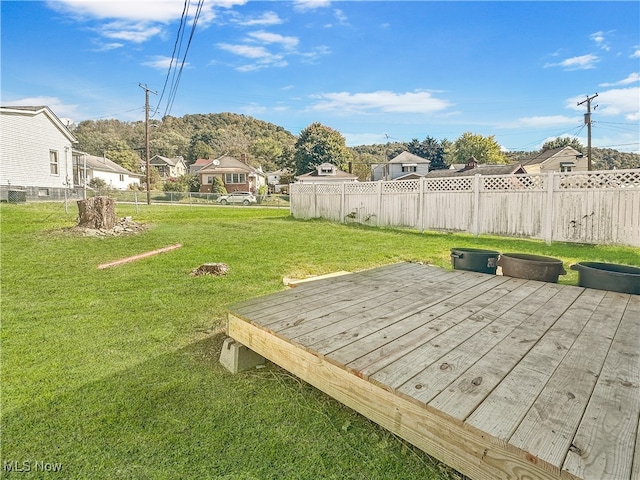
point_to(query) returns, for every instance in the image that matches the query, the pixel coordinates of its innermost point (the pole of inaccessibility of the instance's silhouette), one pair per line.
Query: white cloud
(635, 54)
(313, 55)
(385, 101)
(248, 51)
(136, 21)
(600, 40)
(624, 102)
(136, 10)
(263, 58)
(61, 110)
(544, 121)
(620, 101)
(109, 46)
(267, 18)
(305, 5)
(632, 78)
(583, 62)
(130, 32)
(267, 37)
(341, 17)
(162, 63)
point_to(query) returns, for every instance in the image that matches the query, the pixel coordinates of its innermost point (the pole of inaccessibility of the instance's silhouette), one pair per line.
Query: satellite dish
(216, 162)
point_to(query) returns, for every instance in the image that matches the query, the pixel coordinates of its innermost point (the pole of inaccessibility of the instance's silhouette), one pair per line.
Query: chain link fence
(189, 198)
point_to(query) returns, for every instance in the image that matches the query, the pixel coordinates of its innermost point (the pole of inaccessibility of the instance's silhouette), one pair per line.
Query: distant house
(114, 175)
(196, 166)
(472, 167)
(169, 167)
(35, 153)
(274, 180)
(237, 175)
(563, 159)
(402, 167)
(326, 173)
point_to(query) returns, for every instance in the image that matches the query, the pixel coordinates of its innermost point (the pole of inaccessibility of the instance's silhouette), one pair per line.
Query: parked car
(244, 198)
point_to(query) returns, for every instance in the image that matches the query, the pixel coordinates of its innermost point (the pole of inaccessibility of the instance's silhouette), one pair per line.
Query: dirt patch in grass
(124, 226)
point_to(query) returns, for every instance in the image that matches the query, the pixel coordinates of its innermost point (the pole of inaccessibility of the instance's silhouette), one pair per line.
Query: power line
(174, 91)
(177, 45)
(119, 113)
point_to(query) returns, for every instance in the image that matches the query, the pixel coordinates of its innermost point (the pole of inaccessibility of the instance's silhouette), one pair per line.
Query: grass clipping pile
(97, 218)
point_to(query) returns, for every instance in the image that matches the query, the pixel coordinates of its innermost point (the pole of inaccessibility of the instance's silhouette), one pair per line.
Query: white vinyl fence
(600, 207)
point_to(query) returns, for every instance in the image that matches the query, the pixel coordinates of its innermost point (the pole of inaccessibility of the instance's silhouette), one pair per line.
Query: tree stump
(97, 213)
(216, 269)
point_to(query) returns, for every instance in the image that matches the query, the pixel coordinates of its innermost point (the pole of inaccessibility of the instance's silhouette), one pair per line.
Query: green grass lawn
(114, 373)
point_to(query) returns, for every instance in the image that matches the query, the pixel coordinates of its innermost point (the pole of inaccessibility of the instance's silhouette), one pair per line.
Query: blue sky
(374, 71)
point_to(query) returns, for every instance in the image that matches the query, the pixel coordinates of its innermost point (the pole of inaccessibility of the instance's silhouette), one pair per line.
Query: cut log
(97, 213)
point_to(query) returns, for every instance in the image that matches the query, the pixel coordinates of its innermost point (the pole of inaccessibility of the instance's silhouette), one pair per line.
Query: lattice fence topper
(514, 182)
(362, 187)
(329, 188)
(302, 188)
(463, 184)
(609, 179)
(402, 186)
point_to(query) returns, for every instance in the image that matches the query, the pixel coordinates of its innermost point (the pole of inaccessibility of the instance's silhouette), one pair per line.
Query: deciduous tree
(563, 142)
(318, 144)
(484, 149)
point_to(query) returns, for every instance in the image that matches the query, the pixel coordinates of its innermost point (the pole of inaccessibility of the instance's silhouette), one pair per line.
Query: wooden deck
(498, 377)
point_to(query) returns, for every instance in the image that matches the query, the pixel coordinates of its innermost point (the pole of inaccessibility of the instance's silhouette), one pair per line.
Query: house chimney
(243, 157)
(471, 164)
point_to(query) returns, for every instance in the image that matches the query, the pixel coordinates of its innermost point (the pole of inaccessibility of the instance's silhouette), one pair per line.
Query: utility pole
(146, 137)
(587, 121)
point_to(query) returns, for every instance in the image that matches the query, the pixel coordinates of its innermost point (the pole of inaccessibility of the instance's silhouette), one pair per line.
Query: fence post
(475, 222)
(342, 201)
(548, 234)
(379, 206)
(421, 204)
(315, 200)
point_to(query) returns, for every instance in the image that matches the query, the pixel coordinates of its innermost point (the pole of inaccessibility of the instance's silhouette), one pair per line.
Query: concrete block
(236, 358)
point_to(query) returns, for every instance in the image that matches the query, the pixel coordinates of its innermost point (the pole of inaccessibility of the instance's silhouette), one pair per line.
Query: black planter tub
(608, 276)
(531, 267)
(475, 260)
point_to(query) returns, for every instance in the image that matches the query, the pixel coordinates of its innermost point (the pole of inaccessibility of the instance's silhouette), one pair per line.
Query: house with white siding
(327, 173)
(35, 153)
(169, 167)
(114, 175)
(401, 167)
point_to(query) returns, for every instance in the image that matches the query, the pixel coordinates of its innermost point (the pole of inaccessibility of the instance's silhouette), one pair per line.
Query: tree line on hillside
(271, 147)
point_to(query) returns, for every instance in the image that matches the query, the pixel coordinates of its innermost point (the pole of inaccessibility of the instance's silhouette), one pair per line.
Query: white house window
(121, 177)
(43, 192)
(210, 180)
(326, 170)
(409, 167)
(566, 166)
(53, 162)
(235, 178)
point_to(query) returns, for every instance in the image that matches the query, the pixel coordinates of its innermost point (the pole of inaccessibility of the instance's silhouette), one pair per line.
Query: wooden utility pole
(587, 121)
(146, 138)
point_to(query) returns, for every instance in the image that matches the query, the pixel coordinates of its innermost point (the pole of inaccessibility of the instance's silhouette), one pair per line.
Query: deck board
(496, 376)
